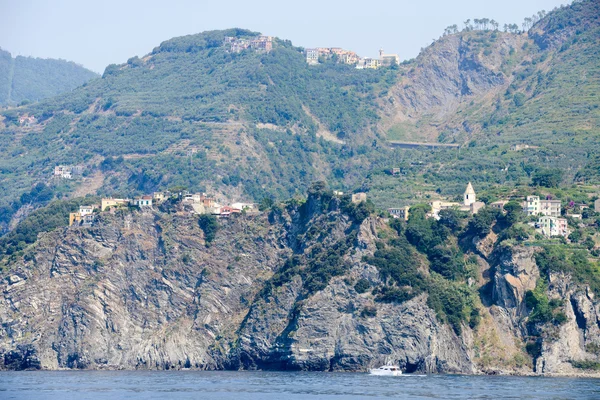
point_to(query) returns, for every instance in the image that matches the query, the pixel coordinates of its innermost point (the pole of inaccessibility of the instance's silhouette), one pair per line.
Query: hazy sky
(98, 33)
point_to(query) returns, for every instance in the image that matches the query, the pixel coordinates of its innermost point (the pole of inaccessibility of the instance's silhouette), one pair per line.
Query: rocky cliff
(145, 290)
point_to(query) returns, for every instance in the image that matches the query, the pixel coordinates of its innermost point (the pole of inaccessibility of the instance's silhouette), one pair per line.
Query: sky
(99, 33)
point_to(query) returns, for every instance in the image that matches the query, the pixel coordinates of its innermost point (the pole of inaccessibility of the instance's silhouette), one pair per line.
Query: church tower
(469, 195)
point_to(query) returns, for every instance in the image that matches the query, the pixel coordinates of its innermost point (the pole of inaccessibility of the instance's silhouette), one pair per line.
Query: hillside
(252, 124)
(28, 79)
(316, 283)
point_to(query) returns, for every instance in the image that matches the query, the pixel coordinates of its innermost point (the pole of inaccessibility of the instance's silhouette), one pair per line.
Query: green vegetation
(586, 364)
(258, 121)
(401, 269)
(547, 178)
(542, 309)
(27, 79)
(562, 258)
(209, 225)
(362, 286)
(43, 220)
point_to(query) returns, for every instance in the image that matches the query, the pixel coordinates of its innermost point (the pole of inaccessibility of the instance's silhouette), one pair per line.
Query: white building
(312, 56)
(469, 196)
(401, 213)
(552, 226)
(534, 206)
(144, 201)
(86, 210)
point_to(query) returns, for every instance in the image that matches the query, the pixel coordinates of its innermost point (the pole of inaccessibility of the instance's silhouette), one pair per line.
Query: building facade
(110, 202)
(534, 206)
(400, 213)
(552, 226)
(144, 201)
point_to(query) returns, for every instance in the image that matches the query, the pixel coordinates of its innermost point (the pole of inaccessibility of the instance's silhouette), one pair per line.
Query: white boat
(386, 370)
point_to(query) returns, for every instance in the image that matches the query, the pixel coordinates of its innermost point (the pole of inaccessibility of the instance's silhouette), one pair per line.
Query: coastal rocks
(516, 272)
(24, 357)
(576, 340)
(144, 290)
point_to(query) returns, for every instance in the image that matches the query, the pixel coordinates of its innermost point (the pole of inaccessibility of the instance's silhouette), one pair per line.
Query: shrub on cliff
(209, 225)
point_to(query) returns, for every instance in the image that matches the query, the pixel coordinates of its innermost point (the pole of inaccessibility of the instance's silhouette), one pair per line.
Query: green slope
(250, 125)
(33, 79)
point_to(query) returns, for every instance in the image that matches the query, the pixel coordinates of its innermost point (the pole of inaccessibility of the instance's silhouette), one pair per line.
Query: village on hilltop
(195, 203)
(259, 43)
(314, 55)
(550, 222)
(351, 58)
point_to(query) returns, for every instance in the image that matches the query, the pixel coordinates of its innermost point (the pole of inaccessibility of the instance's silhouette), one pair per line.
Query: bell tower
(469, 195)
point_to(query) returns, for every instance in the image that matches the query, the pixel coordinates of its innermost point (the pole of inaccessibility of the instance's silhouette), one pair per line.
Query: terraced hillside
(251, 124)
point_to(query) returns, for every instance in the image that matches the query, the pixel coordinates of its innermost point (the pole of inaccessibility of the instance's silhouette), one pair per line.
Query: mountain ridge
(267, 124)
(28, 79)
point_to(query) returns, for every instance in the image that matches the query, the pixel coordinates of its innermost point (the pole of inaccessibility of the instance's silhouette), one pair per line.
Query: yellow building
(110, 202)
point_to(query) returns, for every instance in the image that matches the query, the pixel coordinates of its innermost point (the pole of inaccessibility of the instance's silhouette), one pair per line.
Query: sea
(132, 385)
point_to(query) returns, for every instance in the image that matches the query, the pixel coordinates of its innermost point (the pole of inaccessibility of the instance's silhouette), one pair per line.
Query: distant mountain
(33, 79)
(251, 124)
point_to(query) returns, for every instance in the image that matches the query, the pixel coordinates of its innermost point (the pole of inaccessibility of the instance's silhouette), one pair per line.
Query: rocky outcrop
(560, 26)
(560, 343)
(516, 273)
(578, 339)
(450, 71)
(143, 290)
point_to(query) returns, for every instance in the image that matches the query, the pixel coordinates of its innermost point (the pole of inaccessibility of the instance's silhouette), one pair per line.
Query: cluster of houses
(200, 203)
(259, 43)
(549, 211)
(351, 58)
(27, 120)
(550, 222)
(68, 171)
(83, 217)
(469, 204)
(343, 56)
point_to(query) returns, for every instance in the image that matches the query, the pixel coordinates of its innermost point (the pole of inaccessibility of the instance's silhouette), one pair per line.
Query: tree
(482, 222)
(265, 203)
(468, 26)
(519, 99)
(452, 218)
(514, 210)
(550, 178)
(576, 236)
(209, 225)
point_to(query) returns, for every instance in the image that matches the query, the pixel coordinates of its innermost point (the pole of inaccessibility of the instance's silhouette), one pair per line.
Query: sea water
(116, 385)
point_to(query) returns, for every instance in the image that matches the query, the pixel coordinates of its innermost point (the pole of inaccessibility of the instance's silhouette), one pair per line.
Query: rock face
(579, 338)
(453, 70)
(516, 273)
(143, 290)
